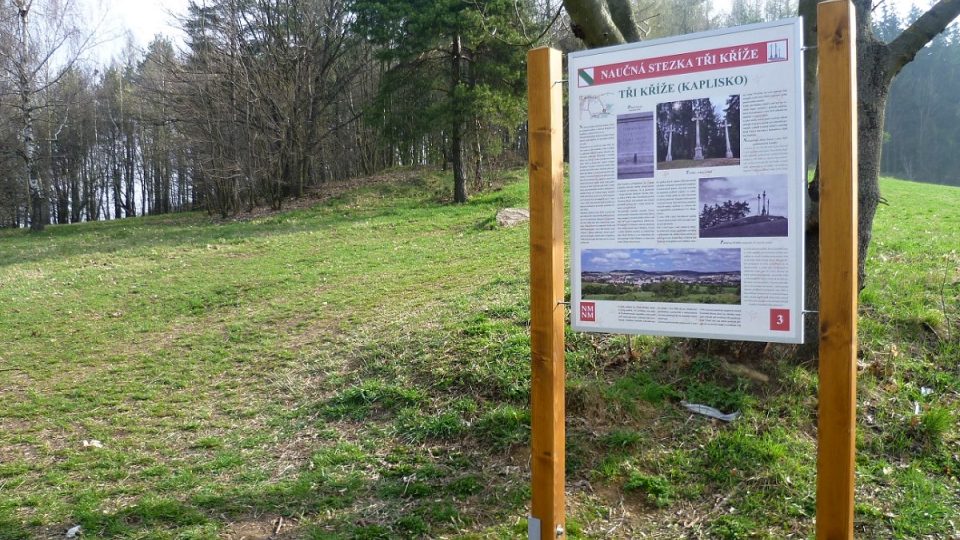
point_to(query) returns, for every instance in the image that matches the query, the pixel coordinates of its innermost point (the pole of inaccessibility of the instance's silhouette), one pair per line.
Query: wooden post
(544, 74)
(836, 48)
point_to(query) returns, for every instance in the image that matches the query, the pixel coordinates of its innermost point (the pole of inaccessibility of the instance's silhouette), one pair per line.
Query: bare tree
(37, 61)
(265, 90)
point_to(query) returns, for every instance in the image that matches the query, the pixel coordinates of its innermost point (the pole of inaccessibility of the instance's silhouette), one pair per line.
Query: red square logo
(588, 312)
(780, 320)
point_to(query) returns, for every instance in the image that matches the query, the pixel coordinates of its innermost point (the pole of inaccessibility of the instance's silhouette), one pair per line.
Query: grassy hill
(359, 369)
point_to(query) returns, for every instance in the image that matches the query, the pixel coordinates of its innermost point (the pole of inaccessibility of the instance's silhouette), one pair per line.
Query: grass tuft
(504, 426)
(658, 491)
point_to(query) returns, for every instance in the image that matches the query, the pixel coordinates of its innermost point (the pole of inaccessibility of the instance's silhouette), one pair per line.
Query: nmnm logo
(585, 78)
(588, 312)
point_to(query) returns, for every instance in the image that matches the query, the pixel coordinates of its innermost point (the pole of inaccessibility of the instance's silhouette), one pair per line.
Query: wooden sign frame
(836, 434)
(547, 311)
(838, 281)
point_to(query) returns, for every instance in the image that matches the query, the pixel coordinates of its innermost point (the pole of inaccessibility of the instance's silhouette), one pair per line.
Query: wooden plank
(836, 47)
(544, 73)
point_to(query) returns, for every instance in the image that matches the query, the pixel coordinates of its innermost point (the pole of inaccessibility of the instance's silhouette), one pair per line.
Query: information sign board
(687, 185)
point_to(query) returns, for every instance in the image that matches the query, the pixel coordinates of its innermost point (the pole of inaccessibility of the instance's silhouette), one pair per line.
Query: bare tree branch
(917, 35)
(625, 18)
(594, 22)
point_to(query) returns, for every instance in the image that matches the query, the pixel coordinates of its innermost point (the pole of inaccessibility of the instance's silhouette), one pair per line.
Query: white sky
(146, 18)
(902, 6)
(142, 19)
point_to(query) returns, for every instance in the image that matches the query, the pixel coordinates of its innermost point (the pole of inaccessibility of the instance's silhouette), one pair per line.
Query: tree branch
(625, 18)
(917, 35)
(594, 23)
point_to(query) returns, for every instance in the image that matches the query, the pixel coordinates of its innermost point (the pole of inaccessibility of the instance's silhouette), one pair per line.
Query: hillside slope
(359, 369)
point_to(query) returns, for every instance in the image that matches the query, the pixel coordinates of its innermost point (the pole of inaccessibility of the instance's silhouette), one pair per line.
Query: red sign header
(678, 64)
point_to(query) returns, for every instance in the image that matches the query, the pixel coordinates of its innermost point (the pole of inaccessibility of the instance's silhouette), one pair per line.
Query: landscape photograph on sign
(635, 145)
(701, 132)
(693, 276)
(743, 206)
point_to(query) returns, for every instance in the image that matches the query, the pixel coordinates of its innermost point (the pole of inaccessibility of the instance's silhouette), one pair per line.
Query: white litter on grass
(73, 532)
(706, 410)
(925, 391)
(92, 443)
(916, 408)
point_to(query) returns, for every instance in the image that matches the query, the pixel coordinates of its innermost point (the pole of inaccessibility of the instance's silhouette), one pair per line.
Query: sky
(146, 18)
(661, 260)
(143, 19)
(746, 188)
(902, 6)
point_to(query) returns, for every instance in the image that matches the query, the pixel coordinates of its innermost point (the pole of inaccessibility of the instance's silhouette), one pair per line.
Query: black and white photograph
(635, 145)
(699, 133)
(743, 206)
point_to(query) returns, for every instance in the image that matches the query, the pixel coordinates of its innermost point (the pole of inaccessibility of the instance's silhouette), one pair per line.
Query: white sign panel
(687, 185)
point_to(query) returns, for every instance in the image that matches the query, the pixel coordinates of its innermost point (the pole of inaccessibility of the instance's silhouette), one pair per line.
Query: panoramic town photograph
(662, 275)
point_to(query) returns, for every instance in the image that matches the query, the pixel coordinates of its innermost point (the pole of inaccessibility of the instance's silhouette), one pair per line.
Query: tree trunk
(477, 156)
(873, 86)
(37, 202)
(75, 201)
(25, 76)
(877, 65)
(117, 182)
(456, 133)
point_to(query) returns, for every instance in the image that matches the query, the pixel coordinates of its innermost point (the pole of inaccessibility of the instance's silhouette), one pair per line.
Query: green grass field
(692, 294)
(359, 369)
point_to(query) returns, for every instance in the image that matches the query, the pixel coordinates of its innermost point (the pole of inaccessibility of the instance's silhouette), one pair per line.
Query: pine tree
(449, 64)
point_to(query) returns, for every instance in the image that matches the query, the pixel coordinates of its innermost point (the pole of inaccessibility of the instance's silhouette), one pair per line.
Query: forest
(269, 99)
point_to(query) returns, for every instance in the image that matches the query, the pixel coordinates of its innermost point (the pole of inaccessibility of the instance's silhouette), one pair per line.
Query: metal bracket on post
(533, 528)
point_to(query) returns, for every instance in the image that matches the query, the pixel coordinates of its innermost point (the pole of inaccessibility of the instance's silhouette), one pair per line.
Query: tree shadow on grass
(10, 529)
(381, 485)
(402, 501)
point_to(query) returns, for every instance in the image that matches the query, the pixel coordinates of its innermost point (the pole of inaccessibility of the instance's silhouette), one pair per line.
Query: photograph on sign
(693, 276)
(635, 145)
(687, 185)
(728, 209)
(696, 133)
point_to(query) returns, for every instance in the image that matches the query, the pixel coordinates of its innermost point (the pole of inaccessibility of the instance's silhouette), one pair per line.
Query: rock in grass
(509, 217)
